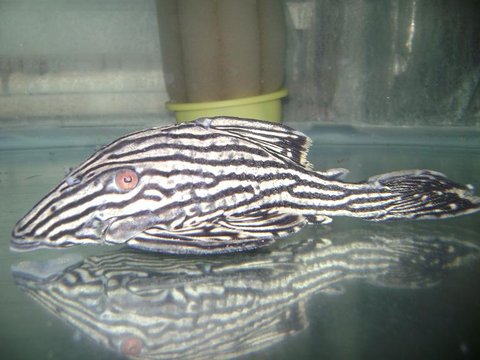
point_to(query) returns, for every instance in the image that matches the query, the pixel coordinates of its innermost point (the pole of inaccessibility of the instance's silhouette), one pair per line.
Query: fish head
(87, 207)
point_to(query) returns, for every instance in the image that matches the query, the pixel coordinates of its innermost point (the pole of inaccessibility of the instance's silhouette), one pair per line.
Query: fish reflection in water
(146, 306)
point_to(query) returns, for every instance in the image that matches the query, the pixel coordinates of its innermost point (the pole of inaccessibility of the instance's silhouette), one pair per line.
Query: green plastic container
(266, 107)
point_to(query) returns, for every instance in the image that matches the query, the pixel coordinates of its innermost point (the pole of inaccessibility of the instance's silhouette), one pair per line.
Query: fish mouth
(21, 244)
(28, 244)
(93, 232)
(21, 241)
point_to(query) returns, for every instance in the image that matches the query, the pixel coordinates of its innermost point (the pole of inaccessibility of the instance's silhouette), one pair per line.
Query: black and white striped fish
(220, 185)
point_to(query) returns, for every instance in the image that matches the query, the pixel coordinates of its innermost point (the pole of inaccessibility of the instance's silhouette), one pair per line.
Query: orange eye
(131, 346)
(126, 179)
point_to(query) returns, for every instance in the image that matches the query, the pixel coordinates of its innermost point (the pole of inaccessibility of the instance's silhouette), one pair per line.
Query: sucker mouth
(93, 232)
(29, 245)
(20, 244)
(16, 233)
(20, 241)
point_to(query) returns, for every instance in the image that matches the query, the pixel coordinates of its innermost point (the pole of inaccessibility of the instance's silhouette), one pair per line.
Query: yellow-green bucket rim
(172, 106)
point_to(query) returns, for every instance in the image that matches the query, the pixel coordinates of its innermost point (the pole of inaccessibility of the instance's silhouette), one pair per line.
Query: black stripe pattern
(219, 185)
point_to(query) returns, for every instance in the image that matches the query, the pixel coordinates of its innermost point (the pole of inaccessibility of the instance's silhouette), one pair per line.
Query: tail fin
(424, 194)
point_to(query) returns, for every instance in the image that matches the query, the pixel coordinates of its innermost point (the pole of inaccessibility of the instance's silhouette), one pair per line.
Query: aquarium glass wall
(379, 86)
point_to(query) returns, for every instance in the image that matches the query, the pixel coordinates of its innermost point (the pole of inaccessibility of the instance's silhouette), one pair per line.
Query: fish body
(220, 185)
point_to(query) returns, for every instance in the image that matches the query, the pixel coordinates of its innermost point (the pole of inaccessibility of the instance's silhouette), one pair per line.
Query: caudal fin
(424, 194)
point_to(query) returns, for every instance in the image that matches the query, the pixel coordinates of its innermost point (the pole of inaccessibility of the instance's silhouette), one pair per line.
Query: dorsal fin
(278, 139)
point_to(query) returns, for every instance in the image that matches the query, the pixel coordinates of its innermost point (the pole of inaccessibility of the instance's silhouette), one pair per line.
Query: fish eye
(131, 346)
(126, 179)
